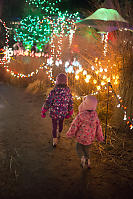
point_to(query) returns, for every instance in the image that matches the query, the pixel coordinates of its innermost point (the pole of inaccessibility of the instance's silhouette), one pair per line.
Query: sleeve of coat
(74, 127)
(70, 106)
(48, 101)
(99, 133)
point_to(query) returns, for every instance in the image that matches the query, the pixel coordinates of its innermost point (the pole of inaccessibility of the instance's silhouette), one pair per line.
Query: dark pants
(55, 124)
(83, 150)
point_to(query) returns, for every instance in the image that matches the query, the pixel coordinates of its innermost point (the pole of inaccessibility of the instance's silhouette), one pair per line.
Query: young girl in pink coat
(85, 128)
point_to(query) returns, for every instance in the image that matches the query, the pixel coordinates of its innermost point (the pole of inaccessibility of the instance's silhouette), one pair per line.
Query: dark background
(12, 9)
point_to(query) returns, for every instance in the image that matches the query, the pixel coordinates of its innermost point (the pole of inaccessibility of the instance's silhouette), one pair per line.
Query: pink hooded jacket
(86, 126)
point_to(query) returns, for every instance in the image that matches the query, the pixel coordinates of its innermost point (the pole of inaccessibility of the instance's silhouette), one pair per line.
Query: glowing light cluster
(76, 68)
(104, 40)
(34, 29)
(96, 73)
(42, 22)
(7, 33)
(44, 5)
(102, 74)
(6, 45)
(124, 108)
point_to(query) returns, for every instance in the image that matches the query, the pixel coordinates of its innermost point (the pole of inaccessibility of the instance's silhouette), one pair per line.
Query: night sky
(11, 9)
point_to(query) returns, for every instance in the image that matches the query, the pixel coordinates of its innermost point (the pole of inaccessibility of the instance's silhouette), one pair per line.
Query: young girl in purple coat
(60, 105)
(85, 127)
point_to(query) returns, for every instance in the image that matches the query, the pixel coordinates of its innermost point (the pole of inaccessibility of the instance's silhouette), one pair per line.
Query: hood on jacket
(89, 103)
(61, 79)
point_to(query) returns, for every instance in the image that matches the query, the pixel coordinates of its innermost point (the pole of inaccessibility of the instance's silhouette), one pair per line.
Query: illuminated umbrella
(105, 20)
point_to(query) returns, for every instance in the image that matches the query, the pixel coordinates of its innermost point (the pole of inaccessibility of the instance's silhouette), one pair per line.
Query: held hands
(69, 114)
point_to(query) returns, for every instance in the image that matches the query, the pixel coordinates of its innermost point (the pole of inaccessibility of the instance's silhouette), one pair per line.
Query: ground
(31, 168)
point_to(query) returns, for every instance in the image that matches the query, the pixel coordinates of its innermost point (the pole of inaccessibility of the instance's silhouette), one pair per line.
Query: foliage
(44, 7)
(42, 20)
(35, 29)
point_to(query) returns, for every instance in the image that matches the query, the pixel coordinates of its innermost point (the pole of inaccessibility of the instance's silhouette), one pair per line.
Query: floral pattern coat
(86, 127)
(59, 103)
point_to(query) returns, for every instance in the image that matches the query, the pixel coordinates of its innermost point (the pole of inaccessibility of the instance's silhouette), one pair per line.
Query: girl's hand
(43, 112)
(43, 115)
(69, 114)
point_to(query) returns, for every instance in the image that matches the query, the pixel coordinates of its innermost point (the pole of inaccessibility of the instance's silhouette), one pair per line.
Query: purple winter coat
(59, 102)
(85, 127)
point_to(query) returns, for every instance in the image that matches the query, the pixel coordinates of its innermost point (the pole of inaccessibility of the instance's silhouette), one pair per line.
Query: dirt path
(31, 168)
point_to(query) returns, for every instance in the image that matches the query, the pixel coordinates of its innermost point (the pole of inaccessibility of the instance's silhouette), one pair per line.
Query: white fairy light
(125, 117)
(50, 61)
(71, 36)
(118, 106)
(131, 127)
(87, 80)
(101, 69)
(70, 69)
(84, 72)
(105, 45)
(74, 63)
(56, 63)
(88, 77)
(92, 67)
(60, 61)
(119, 96)
(76, 77)
(66, 64)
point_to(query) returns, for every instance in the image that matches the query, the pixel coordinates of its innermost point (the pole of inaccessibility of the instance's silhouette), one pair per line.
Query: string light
(41, 28)
(69, 67)
(105, 43)
(6, 45)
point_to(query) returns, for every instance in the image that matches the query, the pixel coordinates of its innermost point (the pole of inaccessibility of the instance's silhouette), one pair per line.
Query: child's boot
(55, 142)
(88, 163)
(58, 134)
(83, 162)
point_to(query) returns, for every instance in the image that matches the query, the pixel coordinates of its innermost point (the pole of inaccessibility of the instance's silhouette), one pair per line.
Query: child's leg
(61, 125)
(54, 124)
(80, 152)
(86, 149)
